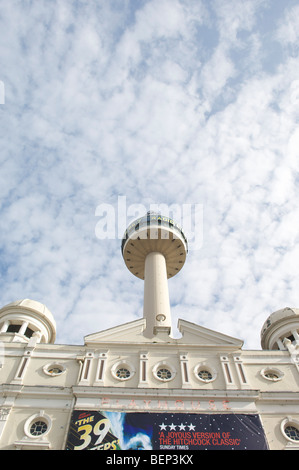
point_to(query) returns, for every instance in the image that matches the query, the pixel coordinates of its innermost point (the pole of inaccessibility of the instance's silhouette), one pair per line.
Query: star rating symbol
(163, 427)
(172, 427)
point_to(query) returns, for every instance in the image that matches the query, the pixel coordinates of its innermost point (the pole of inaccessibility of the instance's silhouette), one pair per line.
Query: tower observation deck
(154, 249)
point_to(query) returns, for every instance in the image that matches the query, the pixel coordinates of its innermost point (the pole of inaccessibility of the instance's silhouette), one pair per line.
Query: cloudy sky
(150, 102)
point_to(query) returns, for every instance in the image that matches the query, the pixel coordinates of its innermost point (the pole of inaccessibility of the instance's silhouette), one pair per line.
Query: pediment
(127, 332)
(191, 334)
(196, 334)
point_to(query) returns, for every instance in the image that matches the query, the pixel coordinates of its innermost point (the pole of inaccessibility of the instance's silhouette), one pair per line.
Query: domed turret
(280, 325)
(22, 319)
(154, 249)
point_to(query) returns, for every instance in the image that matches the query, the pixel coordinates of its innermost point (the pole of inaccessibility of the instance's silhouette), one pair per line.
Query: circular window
(123, 373)
(290, 429)
(37, 425)
(205, 373)
(38, 428)
(164, 372)
(292, 433)
(123, 370)
(272, 374)
(54, 369)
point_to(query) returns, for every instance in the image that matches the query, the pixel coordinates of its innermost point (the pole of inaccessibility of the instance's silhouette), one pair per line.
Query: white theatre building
(136, 386)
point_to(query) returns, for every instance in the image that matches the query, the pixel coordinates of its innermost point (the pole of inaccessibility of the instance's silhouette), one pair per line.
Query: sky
(174, 102)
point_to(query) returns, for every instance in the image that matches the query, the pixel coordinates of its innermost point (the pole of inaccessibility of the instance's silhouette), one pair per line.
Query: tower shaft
(156, 306)
(154, 249)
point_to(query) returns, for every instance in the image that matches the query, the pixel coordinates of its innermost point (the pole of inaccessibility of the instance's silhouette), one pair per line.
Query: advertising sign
(105, 430)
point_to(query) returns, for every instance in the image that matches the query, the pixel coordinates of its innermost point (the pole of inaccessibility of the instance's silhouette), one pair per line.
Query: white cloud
(287, 32)
(165, 102)
(235, 16)
(215, 74)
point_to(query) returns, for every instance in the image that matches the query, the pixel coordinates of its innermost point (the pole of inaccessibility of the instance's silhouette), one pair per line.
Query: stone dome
(32, 305)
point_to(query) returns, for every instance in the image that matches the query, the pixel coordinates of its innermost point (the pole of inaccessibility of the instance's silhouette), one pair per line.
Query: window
(292, 433)
(54, 369)
(13, 328)
(123, 370)
(290, 429)
(29, 332)
(164, 372)
(37, 425)
(122, 373)
(17, 328)
(272, 374)
(205, 373)
(38, 428)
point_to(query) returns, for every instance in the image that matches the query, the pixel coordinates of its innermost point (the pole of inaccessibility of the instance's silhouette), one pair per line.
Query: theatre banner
(104, 430)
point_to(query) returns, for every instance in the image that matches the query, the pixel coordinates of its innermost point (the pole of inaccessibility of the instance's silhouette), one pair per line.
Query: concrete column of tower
(156, 305)
(154, 249)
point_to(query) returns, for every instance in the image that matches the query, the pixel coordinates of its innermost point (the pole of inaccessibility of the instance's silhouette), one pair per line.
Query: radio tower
(154, 249)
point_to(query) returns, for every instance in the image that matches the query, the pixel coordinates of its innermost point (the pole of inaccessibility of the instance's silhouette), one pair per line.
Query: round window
(205, 375)
(53, 369)
(164, 372)
(290, 429)
(38, 428)
(123, 373)
(272, 374)
(292, 433)
(123, 370)
(37, 425)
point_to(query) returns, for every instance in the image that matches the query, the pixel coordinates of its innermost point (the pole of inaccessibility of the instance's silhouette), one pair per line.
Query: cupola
(281, 326)
(24, 319)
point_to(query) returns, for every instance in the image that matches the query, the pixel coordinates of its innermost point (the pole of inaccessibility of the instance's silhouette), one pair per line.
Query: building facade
(135, 386)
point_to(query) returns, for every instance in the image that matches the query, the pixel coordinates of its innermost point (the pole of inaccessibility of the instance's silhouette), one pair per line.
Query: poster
(104, 430)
